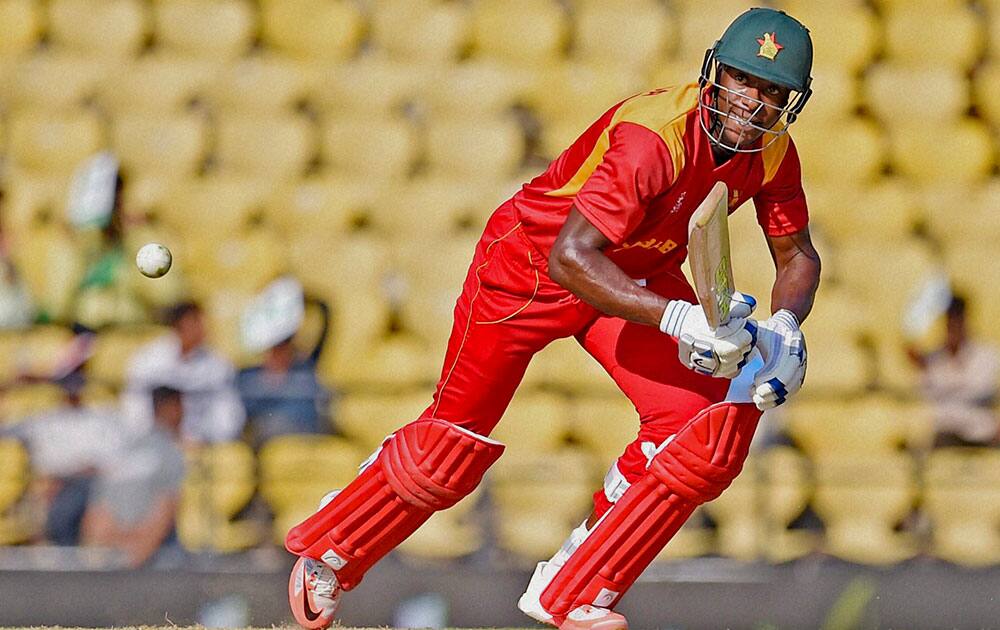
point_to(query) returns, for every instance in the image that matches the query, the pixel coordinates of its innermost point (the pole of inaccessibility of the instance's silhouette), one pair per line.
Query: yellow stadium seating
(861, 499)
(528, 32)
(244, 261)
(699, 28)
(960, 152)
(51, 81)
(112, 350)
(583, 91)
(787, 491)
(27, 197)
(326, 206)
(368, 418)
(155, 84)
(986, 88)
(835, 96)
(51, 267)
(396, 361)
(857, 265)
(219, 205)
(429, 209)
(957, 39)
(171, 145)
(604, 425)
(373, 84)
(897, 94)
(836, 311)
(109, 28)
(420, 30)
(313, 30)
(22, 20)
(540, 499)
(868, 425)
(220, 481)
(837, 363)
(263, 84)
(433, 284)
(535, 422)
(887, 208)
(475, 148)
(739, 516)
(14, 477)
(846, 35)
(478, 87)
(448, 534)
(856, 153)
(692, 540)
(753, 269)
(271, 148)
(341, 269)
(626, 33)
(564, 364)
(379, 148)
(19, 403)
(292, 483)
(211, 29)
(58, 142)
(962, 499)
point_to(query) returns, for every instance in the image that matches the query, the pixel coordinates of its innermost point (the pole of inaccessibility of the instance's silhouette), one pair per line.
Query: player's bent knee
(433, 464)
(705, 456)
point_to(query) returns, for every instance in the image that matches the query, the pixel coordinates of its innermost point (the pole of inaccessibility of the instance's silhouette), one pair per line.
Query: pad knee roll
(426, 466)
(693, 467)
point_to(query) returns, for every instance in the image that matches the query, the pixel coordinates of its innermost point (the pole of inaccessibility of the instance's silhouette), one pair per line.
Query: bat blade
(709, 255)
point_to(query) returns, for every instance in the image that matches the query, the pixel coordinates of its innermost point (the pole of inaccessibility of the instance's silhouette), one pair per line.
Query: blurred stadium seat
(449, 534)
(986, 88)
(18, 403)
(210, 29)
(54, 82)
(960, 42)
(267, 148)
(846, 35)
(426, 209)
(52, 268)
(368, 418)
(788, 490)
(312, 30)
(164, 144)
(372, 84)
(112, 350)
(220, 481)
(14, 478)
(23, 21)
(428, 31)
(620, 32)
(871, 424)
(328, 207)
(155, 85)
(291, 482)
(698, 29)
(378, 149)
(527, 32)
(539, 501)
(262, 85)
(862, 499)
(535, 422)
(856, 153)
(53, 142)
(476, 148)
(738, 516)
(104, 28)
(962, 499)
(604, 426)
(897, 95)
(213, 206)
(480, 88)
(916, 152)
(432, 284)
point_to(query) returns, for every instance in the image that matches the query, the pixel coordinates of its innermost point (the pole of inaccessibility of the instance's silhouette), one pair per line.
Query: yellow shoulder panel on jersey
(773, 155)
(661, 111)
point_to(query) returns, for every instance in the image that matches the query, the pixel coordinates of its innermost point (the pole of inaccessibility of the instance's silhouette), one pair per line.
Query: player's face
(748, 103)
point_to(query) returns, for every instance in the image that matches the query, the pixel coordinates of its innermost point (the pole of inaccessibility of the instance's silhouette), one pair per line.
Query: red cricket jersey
(641, 170)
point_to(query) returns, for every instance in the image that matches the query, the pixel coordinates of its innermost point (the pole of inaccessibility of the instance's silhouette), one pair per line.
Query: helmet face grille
(713, 119)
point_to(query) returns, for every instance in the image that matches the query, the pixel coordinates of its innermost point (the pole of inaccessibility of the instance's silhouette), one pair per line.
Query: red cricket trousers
(510, 309)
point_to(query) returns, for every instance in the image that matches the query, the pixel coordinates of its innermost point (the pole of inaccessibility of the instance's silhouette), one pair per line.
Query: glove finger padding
(782, 346)
(722, 358)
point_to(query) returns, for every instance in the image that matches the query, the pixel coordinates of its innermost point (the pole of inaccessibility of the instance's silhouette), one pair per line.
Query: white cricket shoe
(594, 618)
(313, 593)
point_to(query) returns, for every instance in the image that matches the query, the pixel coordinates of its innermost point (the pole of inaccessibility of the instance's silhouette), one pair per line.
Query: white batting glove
(783, 349)
(719, 353)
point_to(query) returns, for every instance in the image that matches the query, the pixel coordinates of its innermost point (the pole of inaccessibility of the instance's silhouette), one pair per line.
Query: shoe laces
(322, 579)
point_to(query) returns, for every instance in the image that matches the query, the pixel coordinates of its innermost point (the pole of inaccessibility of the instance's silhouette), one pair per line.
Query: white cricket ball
(153, 260)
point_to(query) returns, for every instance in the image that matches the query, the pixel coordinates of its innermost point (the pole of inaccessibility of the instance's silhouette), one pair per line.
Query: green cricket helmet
(770, 45)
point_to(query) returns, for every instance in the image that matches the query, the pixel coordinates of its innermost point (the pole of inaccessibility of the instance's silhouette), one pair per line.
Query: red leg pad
(695, 466)
(426, 466)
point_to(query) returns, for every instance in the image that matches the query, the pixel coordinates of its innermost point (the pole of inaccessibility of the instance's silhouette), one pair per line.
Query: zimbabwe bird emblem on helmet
(769, 46)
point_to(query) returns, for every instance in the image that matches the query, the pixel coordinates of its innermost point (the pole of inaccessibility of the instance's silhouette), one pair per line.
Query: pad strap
(694, 467)
(426, 466)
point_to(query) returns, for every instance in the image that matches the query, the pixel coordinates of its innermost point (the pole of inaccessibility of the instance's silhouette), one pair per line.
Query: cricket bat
(708, 255)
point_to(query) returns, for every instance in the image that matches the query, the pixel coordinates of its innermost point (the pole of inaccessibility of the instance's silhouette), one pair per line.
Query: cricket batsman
(592, 248)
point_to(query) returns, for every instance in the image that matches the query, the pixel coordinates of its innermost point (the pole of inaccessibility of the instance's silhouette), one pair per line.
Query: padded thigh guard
(426, 466)
(694, 467)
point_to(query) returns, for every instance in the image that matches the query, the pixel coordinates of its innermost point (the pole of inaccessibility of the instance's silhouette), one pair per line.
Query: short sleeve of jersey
(781, 203)
(635, 169)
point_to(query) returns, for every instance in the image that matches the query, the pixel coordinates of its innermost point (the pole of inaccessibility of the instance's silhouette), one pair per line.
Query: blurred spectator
(182, 360)
(960, 382)
(282, 395)
(67, 445)
(16, 308)
(134, 501)
(108, 291)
